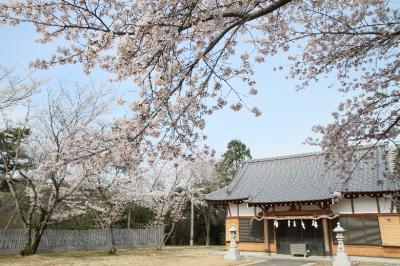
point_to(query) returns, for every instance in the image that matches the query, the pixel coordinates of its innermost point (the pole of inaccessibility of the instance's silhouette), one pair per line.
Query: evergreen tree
(12, 156)
(227, 167)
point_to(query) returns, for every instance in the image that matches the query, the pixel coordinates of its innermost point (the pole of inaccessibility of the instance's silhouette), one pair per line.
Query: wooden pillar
(266, 236)
(274, 247)
(352, 205)
(377, 205)
(327, 242)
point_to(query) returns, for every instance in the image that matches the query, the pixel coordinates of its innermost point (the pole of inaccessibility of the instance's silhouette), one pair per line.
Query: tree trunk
(32, 244)
(26, 251)
(113, 249)
(166, 237)
(207, 235)
(208, 225)
(191, 222)
(11, 219)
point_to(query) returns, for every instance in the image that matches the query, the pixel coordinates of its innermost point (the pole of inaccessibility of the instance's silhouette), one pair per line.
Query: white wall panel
(365, 205)
(385, 205)
(233, 209)
(244, 210)
(343, 207)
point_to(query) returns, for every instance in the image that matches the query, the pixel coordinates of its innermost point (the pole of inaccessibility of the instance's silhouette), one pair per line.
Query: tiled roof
(302, 177)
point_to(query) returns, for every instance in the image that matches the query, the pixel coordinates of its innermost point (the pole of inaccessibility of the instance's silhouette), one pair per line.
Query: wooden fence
(13, 240)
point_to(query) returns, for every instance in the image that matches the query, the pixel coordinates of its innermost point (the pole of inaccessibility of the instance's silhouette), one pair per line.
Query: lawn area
(169, 256)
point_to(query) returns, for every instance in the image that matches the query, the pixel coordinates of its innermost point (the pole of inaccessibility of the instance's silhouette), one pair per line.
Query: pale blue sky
(287, 119)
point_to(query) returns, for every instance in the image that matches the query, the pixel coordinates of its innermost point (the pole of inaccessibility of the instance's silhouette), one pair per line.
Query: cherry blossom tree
(183, 55)
(207, 180)
(108, 194)
(14, 89)
(15, 92)
(52, 178)
(172, 185)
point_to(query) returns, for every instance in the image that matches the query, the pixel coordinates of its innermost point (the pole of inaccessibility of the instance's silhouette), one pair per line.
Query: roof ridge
(283, 157)
(302, 155)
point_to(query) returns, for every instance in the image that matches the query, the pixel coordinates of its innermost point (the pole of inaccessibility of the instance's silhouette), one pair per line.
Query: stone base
(232, 255)
(341, 260)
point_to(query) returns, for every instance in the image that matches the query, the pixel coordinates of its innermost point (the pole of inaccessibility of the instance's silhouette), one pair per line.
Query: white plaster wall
(365, 205)
(233, 209)
(343, 206)
(244, 210)
(361, 205)
(385, 205)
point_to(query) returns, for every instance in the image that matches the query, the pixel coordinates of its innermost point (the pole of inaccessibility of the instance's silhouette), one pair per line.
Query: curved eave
(353, 194)
(225, 202)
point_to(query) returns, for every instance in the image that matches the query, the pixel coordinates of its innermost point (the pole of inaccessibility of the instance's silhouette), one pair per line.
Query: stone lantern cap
(339, 228)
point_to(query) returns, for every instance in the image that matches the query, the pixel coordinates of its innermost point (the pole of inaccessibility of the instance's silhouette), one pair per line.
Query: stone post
(233, 253)
(341, 258)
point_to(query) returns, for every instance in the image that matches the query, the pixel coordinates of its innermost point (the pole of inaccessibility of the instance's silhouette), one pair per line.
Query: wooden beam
(352, 205)
(392, 207)
(377, 205)
(300, 213)
(274, 247)
(237, 205)
(229, 210)
(327, 243)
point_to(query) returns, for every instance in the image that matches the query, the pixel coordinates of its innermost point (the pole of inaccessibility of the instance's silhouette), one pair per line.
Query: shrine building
(283, 202)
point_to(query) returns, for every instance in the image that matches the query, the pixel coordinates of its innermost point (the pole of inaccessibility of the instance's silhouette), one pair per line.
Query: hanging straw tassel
(276, 224)
(315, 224)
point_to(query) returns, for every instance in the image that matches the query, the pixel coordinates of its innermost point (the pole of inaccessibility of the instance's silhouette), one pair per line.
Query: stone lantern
(341, 258)
(233, 253)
